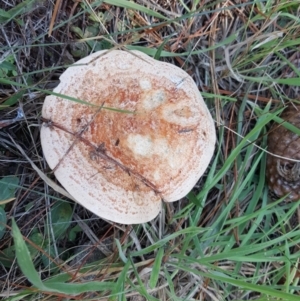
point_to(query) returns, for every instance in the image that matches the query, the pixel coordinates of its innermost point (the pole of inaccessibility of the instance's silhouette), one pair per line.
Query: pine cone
(283, 176)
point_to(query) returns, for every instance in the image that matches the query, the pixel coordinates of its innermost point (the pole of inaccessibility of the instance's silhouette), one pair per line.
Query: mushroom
(130, 132)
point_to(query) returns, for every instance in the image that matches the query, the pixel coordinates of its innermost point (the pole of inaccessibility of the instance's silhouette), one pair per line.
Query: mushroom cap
(120, 163)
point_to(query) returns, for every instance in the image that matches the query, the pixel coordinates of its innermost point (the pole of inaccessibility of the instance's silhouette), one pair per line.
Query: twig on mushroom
(78, 135)
(98, 151)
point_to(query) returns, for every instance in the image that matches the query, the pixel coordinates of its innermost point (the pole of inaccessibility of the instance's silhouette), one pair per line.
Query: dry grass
(226, 240)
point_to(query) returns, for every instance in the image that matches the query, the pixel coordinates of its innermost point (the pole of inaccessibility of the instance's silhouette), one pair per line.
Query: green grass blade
(121, 253)
(162, 242)
(118, 291)
(79, 288)
(264, 289)
(9, 82)
(28, 269)
(24, 258)
(135, 6)
(152, 52)
(156, 268)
